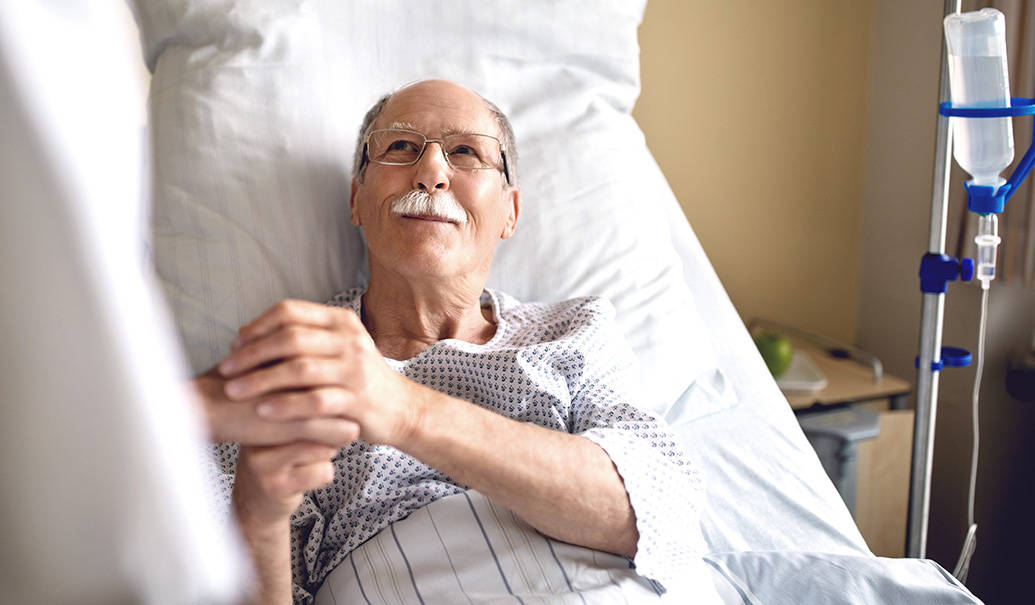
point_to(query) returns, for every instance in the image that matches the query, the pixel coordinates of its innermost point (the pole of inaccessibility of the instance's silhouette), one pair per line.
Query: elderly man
(441, 383)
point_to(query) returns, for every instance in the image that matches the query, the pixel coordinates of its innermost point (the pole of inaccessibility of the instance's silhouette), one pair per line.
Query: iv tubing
(974, 403)
(970, 542)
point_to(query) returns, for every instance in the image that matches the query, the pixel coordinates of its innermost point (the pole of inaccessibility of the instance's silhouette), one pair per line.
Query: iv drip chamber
(987, 241)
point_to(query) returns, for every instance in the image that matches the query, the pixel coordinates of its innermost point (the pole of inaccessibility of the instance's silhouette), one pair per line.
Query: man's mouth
(429, 217)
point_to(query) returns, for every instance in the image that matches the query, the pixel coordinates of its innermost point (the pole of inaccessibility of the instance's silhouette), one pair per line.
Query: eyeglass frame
(366, 156)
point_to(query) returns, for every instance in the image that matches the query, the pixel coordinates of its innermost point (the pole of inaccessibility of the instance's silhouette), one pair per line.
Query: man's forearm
(271, 555)
(563, 485)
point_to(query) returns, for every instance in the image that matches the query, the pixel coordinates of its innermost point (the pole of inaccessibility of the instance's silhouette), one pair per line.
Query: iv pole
(936, 270)
(931, 319)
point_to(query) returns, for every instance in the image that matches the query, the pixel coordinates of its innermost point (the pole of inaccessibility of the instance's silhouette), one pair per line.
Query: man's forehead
(447, 108)
(445, 130)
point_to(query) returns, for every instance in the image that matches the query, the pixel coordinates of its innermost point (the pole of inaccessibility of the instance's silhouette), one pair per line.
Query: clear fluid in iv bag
(982, 146)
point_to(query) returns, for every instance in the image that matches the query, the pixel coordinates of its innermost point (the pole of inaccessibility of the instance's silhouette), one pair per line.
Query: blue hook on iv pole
(987, 200)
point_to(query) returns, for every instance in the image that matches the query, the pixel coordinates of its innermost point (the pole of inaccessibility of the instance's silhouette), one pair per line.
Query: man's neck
(405, 317)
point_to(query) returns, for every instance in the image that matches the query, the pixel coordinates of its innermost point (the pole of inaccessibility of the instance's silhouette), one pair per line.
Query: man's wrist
(436, 422)
(258, 531)
(253, 518)
(208, 388)
(417, 400)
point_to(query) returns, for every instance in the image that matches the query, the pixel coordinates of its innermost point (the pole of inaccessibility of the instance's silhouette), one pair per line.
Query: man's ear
(353, 215)
(511, 197)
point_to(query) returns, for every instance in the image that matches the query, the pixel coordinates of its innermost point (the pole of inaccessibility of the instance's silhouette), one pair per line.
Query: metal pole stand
(936, 270)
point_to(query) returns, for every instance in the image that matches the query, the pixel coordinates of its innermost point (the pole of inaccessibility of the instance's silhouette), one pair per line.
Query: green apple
(776, 351)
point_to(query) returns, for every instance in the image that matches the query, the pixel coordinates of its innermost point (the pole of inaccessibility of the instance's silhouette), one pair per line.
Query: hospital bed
(254, 111)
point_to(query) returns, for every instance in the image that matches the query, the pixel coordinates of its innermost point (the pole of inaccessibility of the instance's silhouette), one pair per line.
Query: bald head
(433, 89)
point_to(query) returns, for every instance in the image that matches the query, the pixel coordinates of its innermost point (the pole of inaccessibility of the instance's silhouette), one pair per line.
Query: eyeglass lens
(464, 151)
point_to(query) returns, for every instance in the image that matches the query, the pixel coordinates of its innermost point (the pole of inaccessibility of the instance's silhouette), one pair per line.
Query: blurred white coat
(102, 499)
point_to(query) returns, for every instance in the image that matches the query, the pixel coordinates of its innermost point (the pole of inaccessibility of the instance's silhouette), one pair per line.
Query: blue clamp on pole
(937, 270)
(952, 357)
(981, 199)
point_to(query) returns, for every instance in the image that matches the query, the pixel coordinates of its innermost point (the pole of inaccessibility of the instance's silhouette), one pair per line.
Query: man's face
(415, 247)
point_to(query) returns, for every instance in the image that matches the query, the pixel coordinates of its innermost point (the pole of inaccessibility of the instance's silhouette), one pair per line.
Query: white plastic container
(978, 77)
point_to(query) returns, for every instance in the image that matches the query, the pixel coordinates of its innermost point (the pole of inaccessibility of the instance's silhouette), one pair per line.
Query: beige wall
(754, 112)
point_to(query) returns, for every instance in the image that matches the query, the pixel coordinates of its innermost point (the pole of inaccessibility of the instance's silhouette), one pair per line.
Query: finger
(267, 460)
(298, 373)
(302, 478)
(255, 432)
(291, 340)
(271, 470)
(336, 432)
(305, 404)
(290, 312)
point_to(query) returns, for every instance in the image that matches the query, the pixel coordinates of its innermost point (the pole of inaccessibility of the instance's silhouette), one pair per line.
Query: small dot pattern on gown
(563, 366)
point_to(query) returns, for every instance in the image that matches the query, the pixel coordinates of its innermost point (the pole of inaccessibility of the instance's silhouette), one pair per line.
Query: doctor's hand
(305, 360)
(241, 422)
(269, 486)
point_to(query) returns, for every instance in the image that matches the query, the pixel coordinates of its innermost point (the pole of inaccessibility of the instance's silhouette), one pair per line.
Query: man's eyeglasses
(401, 147)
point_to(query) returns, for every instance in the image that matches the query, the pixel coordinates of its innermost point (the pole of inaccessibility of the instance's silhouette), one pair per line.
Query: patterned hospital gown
(561, 365)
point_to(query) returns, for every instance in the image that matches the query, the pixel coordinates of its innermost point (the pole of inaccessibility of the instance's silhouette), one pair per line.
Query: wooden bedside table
(848, 381)
(883, 463)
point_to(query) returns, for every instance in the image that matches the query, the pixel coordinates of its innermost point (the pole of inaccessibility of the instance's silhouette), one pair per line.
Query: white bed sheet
(793, 578)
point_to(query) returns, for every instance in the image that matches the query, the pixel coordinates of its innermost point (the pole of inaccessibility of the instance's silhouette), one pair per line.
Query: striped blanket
(465, 548)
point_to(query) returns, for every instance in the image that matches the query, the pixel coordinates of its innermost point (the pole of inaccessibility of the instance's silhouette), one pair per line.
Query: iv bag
(978, 77)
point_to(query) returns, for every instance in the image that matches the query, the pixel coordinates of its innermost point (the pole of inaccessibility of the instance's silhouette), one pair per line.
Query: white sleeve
(664, 488)
(664, 492)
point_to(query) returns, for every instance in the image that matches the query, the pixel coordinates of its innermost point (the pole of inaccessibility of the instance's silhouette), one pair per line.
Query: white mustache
(420, 203)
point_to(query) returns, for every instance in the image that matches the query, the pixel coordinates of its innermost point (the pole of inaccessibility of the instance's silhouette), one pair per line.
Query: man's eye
(463, 150)
(402, 145)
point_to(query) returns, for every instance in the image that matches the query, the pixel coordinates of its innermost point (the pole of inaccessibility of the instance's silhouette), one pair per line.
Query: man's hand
(270, 481)
(303, 360)
(241, 422)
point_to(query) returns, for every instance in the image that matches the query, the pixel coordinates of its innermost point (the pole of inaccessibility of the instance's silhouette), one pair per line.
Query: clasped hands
(301, 381)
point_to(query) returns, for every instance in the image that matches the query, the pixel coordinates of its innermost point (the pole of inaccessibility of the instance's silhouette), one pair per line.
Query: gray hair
(510, 154)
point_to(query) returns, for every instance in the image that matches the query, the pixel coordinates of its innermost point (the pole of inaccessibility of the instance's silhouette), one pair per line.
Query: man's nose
(432, 169)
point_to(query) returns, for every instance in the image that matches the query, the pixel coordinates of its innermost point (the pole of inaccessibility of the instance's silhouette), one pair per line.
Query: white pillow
(256, 107)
